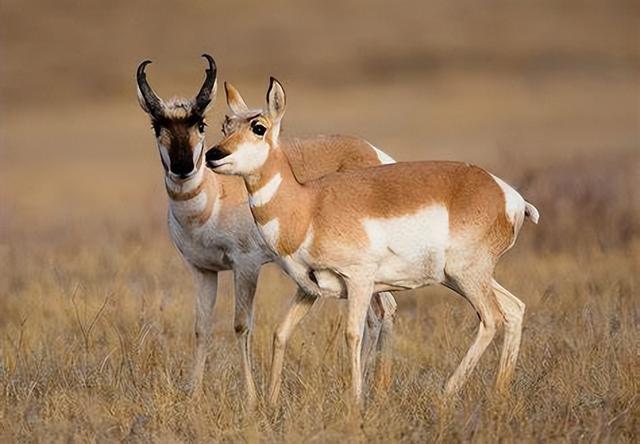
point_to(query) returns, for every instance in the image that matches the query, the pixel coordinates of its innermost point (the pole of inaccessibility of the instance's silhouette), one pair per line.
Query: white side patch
(383, 157)
(411, 248)
(514, 203)
(266, 193)
(270, 232)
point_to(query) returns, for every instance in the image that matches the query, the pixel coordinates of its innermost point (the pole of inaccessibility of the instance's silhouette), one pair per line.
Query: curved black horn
(204, 97)
(153, 102)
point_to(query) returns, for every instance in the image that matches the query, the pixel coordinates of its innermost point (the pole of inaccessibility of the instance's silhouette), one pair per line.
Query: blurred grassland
(96, 307)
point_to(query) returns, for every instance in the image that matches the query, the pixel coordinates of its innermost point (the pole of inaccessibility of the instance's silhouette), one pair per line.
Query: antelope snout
(214, 154)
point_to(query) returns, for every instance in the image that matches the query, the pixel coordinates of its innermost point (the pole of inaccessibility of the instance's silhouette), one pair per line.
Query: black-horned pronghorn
(209, 217)
(390, 227)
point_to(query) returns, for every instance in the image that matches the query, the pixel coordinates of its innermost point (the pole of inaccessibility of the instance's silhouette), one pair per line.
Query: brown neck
(276, 163)
(291, 203)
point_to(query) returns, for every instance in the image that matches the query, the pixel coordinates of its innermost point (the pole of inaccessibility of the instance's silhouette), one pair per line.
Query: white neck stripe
(265, 194)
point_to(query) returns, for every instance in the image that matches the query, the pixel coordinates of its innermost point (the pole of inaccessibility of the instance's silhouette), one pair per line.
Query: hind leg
(474, 284)
(376, 352)
(378, 327)
(512, 310)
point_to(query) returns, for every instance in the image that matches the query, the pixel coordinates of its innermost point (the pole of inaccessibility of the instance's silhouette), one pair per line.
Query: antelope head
(249, 135)
(179, 124)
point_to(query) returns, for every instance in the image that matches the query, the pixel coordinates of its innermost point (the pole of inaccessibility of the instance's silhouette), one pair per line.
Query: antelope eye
(201, 126)
(156, 128)
(258, 129)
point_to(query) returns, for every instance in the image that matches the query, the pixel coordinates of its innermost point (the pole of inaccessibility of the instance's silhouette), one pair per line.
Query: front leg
(246, 280)
(206, 291)
(298, 309)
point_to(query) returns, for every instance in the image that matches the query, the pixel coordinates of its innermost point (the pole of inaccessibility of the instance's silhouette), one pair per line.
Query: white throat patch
(265, 194)
(249, 157)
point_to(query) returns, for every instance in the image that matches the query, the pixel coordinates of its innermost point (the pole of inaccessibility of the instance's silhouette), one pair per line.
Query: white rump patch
(266, 193)
(382, 156)
(514, 203)
(270, 232)
(514, 207)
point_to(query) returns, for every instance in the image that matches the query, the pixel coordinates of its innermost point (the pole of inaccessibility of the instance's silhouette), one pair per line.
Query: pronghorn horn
(205, 96)
(151, 99)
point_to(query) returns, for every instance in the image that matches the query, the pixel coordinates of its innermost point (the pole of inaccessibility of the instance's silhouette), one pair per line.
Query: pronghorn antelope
(390, 227)
(209, 218)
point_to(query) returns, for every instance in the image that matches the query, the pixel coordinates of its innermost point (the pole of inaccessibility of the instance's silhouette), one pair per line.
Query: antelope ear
(235, 101)
(276, 101)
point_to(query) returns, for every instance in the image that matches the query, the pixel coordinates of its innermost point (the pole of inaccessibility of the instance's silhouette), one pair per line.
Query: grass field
(96, 308)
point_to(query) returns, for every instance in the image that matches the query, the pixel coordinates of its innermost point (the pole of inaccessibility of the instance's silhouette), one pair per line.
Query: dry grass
(96, 346)
(96, 307)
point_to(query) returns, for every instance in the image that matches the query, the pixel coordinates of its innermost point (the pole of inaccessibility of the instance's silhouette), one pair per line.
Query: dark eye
(258, 129)
(201, 126)
(156, 128)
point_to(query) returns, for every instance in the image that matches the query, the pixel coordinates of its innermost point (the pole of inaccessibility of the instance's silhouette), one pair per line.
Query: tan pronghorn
(390, 227)
(209, 218)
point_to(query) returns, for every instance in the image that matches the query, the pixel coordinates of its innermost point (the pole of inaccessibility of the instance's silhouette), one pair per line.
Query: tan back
(314, 157)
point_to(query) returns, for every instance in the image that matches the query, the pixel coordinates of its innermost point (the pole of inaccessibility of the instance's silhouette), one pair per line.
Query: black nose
(215, 153)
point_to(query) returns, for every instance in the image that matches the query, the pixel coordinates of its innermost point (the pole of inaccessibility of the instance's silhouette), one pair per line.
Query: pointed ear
(276, 101)
(235, 101)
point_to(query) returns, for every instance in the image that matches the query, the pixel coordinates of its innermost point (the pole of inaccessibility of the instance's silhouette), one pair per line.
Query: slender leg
(378, 336)
(245, 282)
(358, 299)
(512, 310)
(206, 291)
(385, 341)
(476, 288)
(300, 306)
(371, 335)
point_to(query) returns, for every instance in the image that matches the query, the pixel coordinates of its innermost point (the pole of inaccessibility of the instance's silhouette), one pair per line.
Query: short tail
(531, 212)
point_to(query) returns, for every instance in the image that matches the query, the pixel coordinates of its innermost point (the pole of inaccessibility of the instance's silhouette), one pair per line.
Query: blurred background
(509, 85)
(544, 93)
